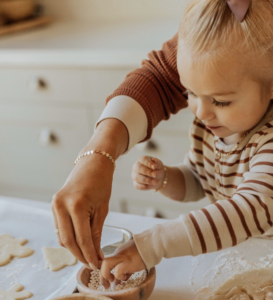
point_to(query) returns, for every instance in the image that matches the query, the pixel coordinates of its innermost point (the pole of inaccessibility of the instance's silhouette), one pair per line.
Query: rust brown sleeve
(156, 85)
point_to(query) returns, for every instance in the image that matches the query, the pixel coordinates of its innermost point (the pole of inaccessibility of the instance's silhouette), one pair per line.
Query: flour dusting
(234, 276)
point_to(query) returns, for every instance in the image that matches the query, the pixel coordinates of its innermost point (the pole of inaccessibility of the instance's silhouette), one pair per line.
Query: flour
(236, 276)
(12, 271)
(253, 284)
(135, 280)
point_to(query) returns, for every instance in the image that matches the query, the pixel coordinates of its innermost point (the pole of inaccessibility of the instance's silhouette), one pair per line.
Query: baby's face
(228, 116)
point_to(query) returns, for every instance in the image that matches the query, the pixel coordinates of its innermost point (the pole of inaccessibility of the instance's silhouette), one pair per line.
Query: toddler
(226, 67)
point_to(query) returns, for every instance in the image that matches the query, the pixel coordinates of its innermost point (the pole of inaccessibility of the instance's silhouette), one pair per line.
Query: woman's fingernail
(93, 267)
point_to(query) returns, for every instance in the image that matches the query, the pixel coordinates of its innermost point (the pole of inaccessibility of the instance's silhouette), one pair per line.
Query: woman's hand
(81, 206)
(148, 173)
(125, 261)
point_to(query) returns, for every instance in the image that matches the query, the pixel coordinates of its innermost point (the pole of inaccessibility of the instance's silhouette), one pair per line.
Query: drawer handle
(150, 146)
(152, 212)
(47, 138)
(37, 83)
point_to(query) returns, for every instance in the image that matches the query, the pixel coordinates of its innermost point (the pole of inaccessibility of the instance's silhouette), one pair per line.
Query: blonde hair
(210, 31)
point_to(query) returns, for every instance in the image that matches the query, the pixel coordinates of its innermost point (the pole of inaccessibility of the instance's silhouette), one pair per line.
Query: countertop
(114, 44)
(180, 278)
(172, 277)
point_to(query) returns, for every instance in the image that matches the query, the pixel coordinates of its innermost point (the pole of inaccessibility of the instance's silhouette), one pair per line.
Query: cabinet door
(38, 146)
(42, 85)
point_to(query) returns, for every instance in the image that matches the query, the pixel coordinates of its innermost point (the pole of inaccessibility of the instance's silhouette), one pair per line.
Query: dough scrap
(15, 293)
(11, 247)
(254, 284)
(58, 258)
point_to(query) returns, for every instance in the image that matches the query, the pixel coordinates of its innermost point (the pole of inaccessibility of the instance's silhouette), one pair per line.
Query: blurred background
(59, 60)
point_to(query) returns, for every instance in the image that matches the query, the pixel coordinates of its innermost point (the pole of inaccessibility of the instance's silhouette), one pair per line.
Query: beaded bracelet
(98, 152)
(164, 181)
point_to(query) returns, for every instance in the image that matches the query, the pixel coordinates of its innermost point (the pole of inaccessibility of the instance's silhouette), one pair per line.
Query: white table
(176, 278)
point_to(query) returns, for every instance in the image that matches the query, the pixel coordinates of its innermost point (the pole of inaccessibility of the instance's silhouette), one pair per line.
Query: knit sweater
(156, 85)
(239, 187)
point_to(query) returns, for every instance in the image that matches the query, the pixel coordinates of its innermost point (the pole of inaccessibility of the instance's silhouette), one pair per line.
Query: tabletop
(180, 278)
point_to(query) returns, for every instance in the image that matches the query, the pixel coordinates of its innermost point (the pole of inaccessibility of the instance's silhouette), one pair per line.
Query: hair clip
(239, 8)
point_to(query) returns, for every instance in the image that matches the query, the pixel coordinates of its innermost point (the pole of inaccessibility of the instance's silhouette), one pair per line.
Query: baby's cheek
(192, 106)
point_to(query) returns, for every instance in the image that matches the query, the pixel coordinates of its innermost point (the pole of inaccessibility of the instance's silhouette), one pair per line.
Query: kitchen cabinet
(51, 96)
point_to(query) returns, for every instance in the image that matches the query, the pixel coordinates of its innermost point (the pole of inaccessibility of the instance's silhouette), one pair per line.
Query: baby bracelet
(164, 181)
(98, 152)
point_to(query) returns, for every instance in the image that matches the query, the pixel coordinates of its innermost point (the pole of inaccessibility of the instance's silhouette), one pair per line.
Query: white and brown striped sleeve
(223, 224)
(249, 212)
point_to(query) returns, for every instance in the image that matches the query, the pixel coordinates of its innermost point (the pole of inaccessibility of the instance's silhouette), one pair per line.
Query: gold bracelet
(164, 181)
(98, 152)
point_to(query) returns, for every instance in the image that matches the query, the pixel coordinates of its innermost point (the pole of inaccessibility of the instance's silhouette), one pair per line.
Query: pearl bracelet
(98, 152)
(164, 181)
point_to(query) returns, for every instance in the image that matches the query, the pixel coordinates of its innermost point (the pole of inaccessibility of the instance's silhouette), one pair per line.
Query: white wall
(93, 10)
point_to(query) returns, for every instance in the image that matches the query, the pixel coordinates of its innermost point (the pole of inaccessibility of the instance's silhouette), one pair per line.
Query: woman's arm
(81, 206)
(156, 85)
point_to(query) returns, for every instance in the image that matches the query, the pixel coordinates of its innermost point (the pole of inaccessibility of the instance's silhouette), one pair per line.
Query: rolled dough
(11, 247)
(58, 258)
(15, 293)
(249, 285)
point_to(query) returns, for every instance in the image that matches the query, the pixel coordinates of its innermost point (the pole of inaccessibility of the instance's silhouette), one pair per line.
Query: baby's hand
(148, 173)
(125, 261)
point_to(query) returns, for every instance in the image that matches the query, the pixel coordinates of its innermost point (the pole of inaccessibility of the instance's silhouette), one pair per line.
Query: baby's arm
(223, 224)
(148, 173)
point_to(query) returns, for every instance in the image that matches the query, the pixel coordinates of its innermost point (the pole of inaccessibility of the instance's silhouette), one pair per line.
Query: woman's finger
(81, 222)
(56, 226)
(67, 236)
(97, 226)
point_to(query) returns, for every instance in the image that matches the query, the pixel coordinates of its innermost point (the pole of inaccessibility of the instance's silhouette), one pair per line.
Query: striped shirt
(239, 187)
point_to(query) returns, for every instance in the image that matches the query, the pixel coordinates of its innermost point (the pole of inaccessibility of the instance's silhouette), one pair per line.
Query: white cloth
(131, 114)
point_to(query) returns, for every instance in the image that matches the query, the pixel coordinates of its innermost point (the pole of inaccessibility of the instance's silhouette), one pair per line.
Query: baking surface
(182, 278)
(176, 279)
(37, 226)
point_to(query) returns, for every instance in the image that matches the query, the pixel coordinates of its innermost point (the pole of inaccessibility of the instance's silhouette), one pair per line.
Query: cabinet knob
(152, 212)
(148, 146)
(47, 137)
(36, 84)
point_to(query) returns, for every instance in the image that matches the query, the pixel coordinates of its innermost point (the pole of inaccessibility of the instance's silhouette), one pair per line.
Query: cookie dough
(15, 293)
(252, 284)
(58, 258)
(11, 247)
